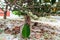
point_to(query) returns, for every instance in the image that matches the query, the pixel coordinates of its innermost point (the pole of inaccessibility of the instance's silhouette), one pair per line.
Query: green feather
(26, 31)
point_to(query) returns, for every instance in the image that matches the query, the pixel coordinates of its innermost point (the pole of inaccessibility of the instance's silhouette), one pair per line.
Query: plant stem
(25, 38)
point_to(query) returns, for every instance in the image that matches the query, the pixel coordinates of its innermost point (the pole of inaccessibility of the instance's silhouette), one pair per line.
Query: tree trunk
(5, 12)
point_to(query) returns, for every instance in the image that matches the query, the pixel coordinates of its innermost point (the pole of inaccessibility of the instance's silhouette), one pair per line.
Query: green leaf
(16, 12)
(11, 1)
(40, 1)
(53, 1)
(1, 31)
(26, 31)
(35, 1)
(46, 0)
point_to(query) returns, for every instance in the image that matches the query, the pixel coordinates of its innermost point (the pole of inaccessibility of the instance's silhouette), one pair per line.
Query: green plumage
(26, 31)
